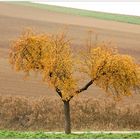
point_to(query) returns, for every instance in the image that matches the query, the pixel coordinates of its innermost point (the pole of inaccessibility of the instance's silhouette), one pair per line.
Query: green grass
(17, 134)
(86, 13)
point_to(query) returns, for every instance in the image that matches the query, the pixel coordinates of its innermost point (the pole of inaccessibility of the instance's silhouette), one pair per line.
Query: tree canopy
(52, 56)
(115, 73)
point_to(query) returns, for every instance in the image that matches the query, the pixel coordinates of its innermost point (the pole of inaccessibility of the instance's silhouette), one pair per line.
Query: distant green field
(86, 13)
(14, 134)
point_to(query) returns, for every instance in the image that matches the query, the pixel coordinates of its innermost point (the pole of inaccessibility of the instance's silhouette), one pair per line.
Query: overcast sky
(128, 8)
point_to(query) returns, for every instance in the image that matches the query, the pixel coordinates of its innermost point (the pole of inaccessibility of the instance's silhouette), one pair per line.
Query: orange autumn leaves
(58, 65)
(115, 73)
(51, 55)
(48, 54)
(26, 52)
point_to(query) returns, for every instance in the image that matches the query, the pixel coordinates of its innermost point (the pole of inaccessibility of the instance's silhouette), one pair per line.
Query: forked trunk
(67, 117)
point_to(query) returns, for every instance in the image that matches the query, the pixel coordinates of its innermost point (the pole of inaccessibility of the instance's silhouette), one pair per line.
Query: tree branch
(83, 88)
(56, 88)
(59, 92)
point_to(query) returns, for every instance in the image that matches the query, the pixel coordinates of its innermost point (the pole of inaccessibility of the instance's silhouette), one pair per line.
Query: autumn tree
(52, 57)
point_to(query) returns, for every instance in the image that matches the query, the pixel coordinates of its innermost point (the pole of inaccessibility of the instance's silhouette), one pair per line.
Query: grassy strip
(86, 13)
(14, 134)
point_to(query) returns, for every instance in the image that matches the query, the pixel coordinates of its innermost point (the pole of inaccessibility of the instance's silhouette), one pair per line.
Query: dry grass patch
(46, 113)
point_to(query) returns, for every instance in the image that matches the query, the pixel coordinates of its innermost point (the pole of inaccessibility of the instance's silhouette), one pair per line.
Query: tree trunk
(67, 117)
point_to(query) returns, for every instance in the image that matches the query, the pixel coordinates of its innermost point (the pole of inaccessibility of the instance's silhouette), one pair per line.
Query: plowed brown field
(14, 18)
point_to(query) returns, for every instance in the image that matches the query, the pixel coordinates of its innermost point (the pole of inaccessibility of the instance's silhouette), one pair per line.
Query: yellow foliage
(58, 65)
(115, 73)
(27, 51)
(51, 56)
(48, 54)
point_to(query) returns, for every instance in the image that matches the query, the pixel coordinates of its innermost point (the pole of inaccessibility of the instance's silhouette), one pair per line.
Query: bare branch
(59, 92)
(56, 88)
(85, 87)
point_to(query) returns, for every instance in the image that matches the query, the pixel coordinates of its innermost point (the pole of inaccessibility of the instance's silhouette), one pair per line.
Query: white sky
(128, 8)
